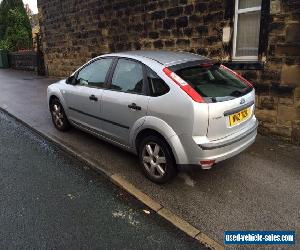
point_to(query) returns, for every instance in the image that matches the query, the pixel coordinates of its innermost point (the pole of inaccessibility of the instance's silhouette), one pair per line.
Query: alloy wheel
(154, 160)
(57, 115)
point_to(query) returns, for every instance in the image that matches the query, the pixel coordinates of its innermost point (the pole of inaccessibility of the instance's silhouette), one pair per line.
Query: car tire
(156, 159)
(58, 115)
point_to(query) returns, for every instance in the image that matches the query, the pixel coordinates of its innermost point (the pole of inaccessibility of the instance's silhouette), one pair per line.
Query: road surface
(51, 200)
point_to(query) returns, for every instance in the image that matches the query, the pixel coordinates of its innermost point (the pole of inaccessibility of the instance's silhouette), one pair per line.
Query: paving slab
(256, 190)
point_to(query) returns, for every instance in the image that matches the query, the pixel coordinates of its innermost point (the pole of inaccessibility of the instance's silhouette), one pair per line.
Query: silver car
(172, 109)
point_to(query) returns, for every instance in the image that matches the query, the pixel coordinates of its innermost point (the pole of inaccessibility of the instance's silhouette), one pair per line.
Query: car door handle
(134, 106)
(93, 98)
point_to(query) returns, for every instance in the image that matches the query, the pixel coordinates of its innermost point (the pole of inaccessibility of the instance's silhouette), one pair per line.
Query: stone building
(258, 38)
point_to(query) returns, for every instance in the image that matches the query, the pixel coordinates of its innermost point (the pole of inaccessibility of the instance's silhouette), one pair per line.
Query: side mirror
(71, 80)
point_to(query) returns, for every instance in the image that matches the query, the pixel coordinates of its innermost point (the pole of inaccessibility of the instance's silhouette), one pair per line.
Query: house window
(246, 30)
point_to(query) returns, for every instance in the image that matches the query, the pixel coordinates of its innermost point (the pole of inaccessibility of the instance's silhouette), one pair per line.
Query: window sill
(244, 65)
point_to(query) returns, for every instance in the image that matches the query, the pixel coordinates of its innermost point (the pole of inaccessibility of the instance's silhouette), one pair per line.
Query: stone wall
(75, 31)
(278, 85)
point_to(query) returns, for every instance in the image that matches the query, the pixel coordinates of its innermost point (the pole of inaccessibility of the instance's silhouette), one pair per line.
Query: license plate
(239, 117)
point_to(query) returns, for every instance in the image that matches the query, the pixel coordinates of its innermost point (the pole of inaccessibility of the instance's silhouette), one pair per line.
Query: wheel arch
(51, 98)
(144, 133)
(54, 96)
(165, 132)
(54, 92)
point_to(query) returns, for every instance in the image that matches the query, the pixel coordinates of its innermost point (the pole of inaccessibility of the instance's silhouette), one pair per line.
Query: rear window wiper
(236, 93)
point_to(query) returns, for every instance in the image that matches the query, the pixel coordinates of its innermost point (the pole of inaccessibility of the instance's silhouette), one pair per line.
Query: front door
(84, 105)
(124, 105)
(84, 99)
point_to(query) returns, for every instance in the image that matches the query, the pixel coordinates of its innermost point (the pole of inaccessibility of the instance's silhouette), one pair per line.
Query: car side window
(128, 76)
(157, 86)
(95, 73)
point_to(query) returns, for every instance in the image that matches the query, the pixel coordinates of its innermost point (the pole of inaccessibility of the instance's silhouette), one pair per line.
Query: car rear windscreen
(214, 83)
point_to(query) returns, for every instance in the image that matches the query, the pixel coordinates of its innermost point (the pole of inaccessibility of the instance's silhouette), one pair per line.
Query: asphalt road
(50, 200)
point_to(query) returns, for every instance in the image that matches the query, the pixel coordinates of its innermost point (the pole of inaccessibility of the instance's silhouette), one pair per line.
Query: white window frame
(236, 15)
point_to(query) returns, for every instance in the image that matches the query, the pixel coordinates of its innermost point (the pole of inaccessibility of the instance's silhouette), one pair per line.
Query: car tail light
(184, 85)
(238, 76)
(207, 164)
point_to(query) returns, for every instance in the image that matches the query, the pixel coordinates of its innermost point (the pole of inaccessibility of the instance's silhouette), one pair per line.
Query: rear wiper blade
(236, 93)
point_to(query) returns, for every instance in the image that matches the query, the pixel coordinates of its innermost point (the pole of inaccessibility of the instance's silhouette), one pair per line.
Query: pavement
(256, 190)
(50, 200)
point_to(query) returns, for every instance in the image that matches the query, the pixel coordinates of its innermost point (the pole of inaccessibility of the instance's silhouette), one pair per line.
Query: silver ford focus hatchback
(172, 109)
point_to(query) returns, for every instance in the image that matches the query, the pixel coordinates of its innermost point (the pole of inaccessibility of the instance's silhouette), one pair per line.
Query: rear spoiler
(191, 64)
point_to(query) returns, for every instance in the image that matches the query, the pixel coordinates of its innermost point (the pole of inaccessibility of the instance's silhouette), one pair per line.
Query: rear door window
(128, 77)
(214, 82)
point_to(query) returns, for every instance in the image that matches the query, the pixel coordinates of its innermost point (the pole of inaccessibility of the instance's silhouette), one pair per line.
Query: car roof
(166, 58)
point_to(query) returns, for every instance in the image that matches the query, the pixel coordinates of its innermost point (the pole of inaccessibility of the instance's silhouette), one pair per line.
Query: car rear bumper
(227, 142)
(200, 149)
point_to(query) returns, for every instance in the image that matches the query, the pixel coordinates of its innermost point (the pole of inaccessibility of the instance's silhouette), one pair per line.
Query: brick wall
(75, 31)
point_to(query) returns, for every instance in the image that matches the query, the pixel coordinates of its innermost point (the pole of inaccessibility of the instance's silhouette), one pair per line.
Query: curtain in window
(248, 34)
(243, 4)
(248, 28)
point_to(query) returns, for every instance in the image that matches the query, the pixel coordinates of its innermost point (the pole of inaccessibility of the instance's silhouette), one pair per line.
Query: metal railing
(23, 60)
